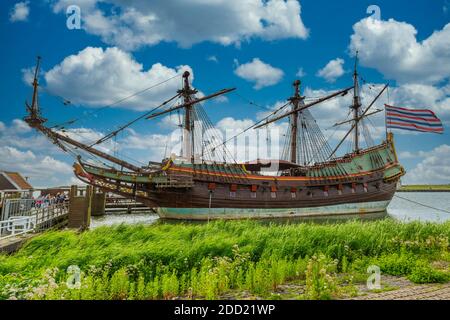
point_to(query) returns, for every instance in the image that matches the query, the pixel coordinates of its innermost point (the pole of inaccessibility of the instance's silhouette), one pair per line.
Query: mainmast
(356, 105)
(188, 135)
(295, 99)
(188, 104)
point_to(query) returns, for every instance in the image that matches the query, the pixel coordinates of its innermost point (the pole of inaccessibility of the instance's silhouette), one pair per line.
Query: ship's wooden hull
(370, 194)
(180, 191)
(221, 203)
(361, 208)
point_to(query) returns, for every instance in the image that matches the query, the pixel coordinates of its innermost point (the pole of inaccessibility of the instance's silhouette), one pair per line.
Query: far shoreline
(425, 188)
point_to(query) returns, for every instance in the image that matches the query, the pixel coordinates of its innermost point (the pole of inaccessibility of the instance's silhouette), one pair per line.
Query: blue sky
(259, 49)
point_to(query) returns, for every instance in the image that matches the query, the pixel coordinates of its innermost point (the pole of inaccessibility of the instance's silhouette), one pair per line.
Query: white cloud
(392, 48)
(434, 168)
(213, 59)
(261, 73)
(33, 155)
(131, 24)
(277, 105)
(252, 144)
(221, 99)
(20, 126)
(28, 75)
(97, 77)
(89, 136)
(42, 170)
(332, 70)
(18, 134)
(300, 73)
(234, 124)
(19, 12)
(171, 122)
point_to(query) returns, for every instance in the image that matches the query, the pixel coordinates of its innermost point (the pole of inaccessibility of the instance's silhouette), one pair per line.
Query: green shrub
(424, 273)
(396, 264)
(321, 278)
(169, 285)
(119, 285)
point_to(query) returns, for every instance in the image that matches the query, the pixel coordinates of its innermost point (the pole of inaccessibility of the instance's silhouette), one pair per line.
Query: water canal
(399, 209)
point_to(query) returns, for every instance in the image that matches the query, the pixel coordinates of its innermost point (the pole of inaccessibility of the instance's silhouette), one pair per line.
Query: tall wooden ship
(310, 180)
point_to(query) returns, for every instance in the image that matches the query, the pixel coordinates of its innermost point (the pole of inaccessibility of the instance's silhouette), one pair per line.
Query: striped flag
(422, 120)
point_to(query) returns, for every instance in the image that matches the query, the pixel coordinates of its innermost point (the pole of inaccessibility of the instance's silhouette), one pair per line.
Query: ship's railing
(349, 156)
(173, 181)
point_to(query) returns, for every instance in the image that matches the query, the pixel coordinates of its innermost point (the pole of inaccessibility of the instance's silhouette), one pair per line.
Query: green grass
(165, 261)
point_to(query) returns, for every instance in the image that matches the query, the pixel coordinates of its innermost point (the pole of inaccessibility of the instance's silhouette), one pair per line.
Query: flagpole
(385, 114)
(385, 121)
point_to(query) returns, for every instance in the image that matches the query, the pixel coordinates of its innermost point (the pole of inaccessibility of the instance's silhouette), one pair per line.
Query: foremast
(36, 121)
(356, 106)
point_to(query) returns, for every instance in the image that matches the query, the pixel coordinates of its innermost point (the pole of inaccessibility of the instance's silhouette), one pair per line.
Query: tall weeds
(167, 261)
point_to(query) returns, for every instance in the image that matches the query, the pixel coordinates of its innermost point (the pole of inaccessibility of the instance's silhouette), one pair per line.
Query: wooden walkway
(12, 244)
(18, 228)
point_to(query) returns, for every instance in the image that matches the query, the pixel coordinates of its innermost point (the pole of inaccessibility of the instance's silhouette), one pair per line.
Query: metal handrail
(35, 219)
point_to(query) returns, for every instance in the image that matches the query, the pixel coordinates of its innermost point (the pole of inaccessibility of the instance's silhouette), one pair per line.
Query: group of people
(49, 199)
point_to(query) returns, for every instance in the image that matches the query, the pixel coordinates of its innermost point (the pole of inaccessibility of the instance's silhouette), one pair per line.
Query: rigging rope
(252, 102)
(113, 133)
(421, 204)
(114, 103)
(71, 149)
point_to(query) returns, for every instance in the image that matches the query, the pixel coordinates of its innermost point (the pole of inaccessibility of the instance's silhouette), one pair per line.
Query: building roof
(13, 181)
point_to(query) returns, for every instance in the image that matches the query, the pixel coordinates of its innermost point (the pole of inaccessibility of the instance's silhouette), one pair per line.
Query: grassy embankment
(425, 187)
(224, 259)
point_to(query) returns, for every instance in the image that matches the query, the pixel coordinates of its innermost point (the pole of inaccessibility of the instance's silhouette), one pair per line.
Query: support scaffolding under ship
(310, 179)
